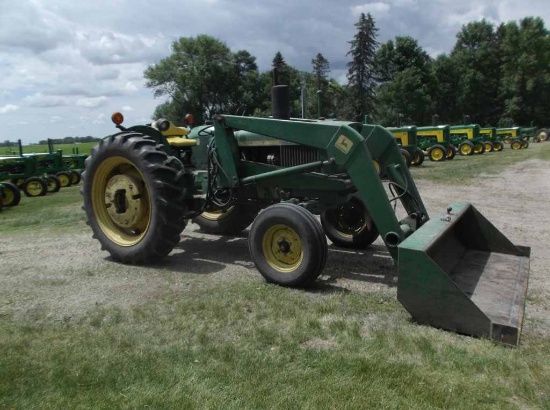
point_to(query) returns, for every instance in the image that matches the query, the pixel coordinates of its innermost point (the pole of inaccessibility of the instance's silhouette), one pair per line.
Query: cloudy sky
(66, 65)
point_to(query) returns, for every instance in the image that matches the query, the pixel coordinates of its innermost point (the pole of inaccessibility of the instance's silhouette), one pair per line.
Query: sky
(66, 65)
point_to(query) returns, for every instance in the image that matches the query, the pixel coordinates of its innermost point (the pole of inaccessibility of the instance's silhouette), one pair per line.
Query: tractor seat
(178, 142)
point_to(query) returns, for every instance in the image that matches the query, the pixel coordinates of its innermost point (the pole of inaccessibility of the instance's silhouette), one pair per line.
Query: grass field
(239, 343)
(83, 148)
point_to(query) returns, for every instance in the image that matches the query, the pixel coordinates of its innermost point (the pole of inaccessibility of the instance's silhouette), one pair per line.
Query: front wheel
(542, 134)
(499, 146)
(524, 144)
(437, 153)
(287, 245)
(229, 221)
(75, 177)
(418, 157)
(515, 145)
(64, 178)
(12, 195)
(134, 198)
(489, 146)
(466, 148)
(479, 148)
(349, 225)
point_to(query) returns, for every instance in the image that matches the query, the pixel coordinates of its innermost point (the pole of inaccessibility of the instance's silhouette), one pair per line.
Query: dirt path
(45, 278)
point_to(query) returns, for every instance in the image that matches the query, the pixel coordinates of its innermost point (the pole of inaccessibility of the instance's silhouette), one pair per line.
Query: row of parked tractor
(37, 174)
(444, 142)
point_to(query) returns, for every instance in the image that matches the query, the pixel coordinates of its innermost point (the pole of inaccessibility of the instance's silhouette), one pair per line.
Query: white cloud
(127, 108)
(40, 100)
(376, 9)
(8, 108)
(91, 102)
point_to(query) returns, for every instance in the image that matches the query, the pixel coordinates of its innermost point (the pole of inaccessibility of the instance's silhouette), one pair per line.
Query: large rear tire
(450, 152)
(64, 178)
(543, 134)
(479, 148)
(515, 145)
(437, 153)
(134, 198)
(489, 146)
(12, 195)
(287, 245)
(75, 177)
(466, 148)
(35, 186)
(349, 225)
(53, 184)
(407, 157)
(230, 221)
(499, 146)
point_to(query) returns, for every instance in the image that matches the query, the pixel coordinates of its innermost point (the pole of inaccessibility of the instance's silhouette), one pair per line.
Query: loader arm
(351, 145)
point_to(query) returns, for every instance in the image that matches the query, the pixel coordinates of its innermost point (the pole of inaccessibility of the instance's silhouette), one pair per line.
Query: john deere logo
(343, 144)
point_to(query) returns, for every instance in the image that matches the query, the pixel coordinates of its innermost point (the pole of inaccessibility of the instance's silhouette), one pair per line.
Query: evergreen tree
(280, 73)
(321, 68)
(361, 81)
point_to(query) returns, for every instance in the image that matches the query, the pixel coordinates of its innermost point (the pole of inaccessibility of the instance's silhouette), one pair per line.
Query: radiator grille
(292, 155)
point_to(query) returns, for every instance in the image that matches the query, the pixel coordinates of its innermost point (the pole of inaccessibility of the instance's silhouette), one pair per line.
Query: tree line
(494, 75)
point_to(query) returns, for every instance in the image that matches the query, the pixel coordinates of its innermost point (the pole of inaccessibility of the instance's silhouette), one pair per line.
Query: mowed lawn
(208, 341)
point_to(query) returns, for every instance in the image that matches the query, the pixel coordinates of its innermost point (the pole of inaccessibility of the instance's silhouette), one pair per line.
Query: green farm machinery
(513, 136)
(490, 134)
(455, 271)
(73, 163)
(436, 140)
(541, 135)
(407, 142)
(468, 140)
(23, 172)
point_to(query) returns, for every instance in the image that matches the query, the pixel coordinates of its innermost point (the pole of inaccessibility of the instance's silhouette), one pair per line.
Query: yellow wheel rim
(488, 147)
(34, 188)
(8, 197)
(498, 147)
(74, 179)
(437, 154)
(217, 214)
(449, 153)
(376, 166)
(516, 145)
(478, 149)
(64, 180)
(121, 201)
(507, 140)
(465, 149)
(282, 248)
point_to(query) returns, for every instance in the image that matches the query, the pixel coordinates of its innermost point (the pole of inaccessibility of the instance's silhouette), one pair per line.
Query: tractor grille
(292, 155)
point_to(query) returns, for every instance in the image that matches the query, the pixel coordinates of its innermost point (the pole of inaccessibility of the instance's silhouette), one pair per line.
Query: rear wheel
(12, 195)
(418, 157)
(499, 146)
(542, 134)
(479, 148)
(515, 145)
(489, 147)
(75, 177)
(53, 184)
(437, 153)
(34, 186)
(450, 152)
(287, 245)
(134, 198)
(524, 144)
(64, 178)
(349, 225)
(466, 148)
(229, 221)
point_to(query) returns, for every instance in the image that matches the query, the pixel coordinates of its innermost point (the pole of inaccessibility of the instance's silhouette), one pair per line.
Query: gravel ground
(60, 278)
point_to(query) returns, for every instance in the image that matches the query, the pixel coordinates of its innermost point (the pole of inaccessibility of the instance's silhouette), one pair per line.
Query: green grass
(466, 169)
(251, 345)
(83, 148)
(60, 211)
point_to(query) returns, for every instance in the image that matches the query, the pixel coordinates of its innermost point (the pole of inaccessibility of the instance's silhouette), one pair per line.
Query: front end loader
(456, 271)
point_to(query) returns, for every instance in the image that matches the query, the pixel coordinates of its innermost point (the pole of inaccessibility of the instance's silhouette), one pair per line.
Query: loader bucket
(458, 272)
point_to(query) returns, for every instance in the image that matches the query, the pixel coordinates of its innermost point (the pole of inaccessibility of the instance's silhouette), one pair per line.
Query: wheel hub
(123, 201)
(282, 248)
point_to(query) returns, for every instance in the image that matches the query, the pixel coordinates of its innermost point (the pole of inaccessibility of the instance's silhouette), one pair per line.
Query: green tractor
(73, 163)
(23, 172)
(513, 136)
(436, 140)
(456, 271)
(406, 140)
(468, 139)
(489, 134)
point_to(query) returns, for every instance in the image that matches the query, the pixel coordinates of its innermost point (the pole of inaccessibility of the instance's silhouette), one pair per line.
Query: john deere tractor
(23, 172)
(143, 184)
(490, 134)
(512, 136)
(406, 140)
(436, 140)
(468, 139)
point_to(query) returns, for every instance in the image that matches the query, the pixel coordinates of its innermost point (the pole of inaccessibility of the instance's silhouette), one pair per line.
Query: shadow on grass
(210, 254)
